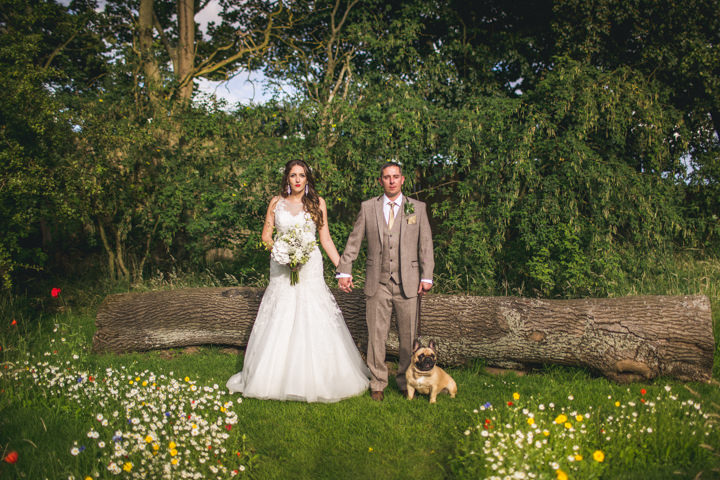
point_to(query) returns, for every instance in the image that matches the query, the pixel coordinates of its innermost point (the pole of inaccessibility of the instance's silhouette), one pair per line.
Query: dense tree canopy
(560, 145)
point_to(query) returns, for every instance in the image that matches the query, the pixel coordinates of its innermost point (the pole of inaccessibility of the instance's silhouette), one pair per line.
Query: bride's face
(297, 179)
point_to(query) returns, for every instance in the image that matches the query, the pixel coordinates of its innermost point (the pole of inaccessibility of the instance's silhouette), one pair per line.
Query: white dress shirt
(386, 206)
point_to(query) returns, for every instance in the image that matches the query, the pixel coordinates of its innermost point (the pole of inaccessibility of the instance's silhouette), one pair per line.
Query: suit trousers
(377, 314)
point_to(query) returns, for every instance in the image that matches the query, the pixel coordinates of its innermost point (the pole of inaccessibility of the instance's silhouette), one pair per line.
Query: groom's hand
(424, 287)
(346, 284)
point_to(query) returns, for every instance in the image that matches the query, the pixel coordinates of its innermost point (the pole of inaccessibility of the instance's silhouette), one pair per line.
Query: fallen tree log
(625, 339)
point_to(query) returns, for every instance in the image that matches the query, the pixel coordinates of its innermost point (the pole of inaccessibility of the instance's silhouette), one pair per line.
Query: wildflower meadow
(68, 413)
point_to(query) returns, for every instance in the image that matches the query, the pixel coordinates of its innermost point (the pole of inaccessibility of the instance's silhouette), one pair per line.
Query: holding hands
(345, 284)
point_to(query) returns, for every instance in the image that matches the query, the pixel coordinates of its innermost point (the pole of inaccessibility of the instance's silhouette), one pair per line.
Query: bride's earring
(288, 190)
(306, 189)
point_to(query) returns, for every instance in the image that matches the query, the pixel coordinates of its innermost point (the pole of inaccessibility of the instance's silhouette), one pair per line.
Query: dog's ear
(416, 345)
(432, 345)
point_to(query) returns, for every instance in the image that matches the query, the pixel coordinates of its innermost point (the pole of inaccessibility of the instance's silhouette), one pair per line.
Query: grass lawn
(69, 413)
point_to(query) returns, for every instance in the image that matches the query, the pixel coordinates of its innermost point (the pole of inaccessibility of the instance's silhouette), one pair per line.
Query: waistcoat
(391, 251)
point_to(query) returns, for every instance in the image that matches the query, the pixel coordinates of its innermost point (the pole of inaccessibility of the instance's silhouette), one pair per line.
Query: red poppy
(55, 292)
(643, 391)
(642, 400)
(228, 427)
(510, 404)
(11, 457)
(14, 322)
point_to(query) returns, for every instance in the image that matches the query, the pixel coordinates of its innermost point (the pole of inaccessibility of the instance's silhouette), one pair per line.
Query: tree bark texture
(625, 339)
(185, 63)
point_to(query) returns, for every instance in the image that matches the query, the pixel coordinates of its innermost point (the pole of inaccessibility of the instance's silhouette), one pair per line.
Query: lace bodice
(289, 214)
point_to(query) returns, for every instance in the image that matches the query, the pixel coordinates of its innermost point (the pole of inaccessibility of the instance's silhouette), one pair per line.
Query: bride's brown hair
(311, 200)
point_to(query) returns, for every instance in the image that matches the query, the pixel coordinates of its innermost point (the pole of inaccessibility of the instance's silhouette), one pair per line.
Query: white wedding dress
(299, 347)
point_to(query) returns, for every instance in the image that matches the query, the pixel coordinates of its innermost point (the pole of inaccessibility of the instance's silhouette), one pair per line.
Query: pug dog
(424, 376)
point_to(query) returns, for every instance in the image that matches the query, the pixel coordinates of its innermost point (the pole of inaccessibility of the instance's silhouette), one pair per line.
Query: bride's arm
(325, 238)
(269, 224)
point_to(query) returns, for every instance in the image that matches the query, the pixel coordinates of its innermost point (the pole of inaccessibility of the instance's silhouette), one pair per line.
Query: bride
(299, 347)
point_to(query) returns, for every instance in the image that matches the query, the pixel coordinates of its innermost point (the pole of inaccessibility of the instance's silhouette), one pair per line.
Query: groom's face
(392, 181)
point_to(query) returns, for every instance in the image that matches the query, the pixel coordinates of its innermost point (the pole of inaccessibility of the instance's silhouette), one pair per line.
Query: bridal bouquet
(293, 249)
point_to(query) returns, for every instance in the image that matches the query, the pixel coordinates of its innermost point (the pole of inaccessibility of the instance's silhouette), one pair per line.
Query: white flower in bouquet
(293, 248)
(281, 251)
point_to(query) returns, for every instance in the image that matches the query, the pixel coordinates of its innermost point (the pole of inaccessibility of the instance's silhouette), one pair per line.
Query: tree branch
(248, 46)
(59, 49)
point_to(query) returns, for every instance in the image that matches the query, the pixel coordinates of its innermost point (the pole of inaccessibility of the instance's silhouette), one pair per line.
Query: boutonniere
(409, 208)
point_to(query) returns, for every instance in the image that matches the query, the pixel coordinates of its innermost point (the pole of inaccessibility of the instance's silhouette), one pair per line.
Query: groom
(399, 267)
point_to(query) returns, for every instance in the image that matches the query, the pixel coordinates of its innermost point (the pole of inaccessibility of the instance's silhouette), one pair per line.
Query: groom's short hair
(388, 165)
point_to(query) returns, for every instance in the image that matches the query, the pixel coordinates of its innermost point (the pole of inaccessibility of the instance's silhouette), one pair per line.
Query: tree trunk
(625, 339)
(150, 67)
(184, 68)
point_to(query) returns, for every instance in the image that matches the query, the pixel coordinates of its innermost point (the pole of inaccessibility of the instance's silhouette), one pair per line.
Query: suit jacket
(416, 248)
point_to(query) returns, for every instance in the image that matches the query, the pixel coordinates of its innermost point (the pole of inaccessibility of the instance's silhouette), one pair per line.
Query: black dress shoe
(377, 396)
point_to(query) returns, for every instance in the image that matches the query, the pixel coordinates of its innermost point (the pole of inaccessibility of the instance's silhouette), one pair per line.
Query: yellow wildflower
(598, 456)
(562, 418)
